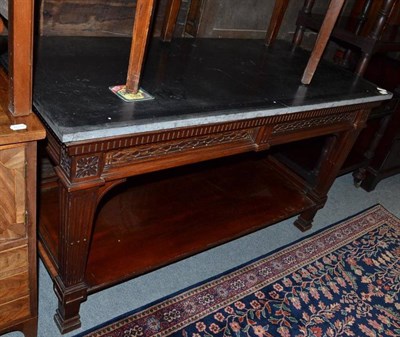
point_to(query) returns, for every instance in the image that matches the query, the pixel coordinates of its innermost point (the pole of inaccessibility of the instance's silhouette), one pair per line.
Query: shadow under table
(139, 185)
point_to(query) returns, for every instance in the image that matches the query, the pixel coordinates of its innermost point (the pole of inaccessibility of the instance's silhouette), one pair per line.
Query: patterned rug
(341, 281)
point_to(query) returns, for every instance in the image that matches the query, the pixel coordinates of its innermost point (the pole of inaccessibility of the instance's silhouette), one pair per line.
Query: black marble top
(194, 81)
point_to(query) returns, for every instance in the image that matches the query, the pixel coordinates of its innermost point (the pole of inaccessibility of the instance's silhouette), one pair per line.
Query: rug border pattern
(349, 228)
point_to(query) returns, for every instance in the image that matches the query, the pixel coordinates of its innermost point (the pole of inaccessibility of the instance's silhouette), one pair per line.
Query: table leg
(77, 208)
(333, 156)
(360, 174)
(276, 20)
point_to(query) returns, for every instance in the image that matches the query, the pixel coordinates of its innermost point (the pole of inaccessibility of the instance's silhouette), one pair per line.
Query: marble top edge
(219, 117)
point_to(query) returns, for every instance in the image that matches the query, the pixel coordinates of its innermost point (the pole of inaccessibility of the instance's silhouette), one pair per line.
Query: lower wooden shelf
(162, 217)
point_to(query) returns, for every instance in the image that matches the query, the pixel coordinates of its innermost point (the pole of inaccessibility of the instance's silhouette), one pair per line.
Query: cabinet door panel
(12, 190)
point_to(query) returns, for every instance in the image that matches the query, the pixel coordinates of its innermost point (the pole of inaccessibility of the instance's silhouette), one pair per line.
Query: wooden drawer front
(13, 261)
(14, 311)
(12, 187)
(14, 287)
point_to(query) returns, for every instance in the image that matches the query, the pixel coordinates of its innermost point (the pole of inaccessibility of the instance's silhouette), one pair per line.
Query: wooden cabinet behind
(18, 295)
(14, 254)
(18, 265)
(98, 17)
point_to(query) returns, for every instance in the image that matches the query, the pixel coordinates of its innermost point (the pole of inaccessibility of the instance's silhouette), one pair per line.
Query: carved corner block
(87, 166)
(77, 168)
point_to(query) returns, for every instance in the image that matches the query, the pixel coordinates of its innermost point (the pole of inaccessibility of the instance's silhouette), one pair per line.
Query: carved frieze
(81, 162)
(313, 122)
(162, 149)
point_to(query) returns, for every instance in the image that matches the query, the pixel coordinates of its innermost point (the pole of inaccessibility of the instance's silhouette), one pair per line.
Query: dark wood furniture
(324, 33)
(19, 132)
(385, 161)
(374, 155)
(18, 258)
(369, 38)
(141, 185)
(383, 128)
(375, 25)
(378, 142)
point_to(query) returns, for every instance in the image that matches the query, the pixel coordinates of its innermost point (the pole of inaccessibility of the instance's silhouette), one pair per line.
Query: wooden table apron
(88, 170)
